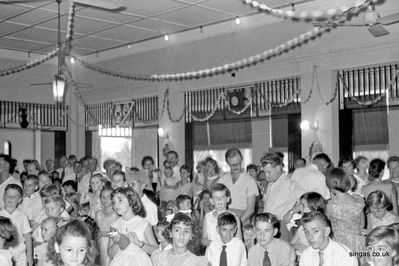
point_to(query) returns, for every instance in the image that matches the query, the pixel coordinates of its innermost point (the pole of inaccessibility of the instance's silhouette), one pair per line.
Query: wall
(47, 146)
(22, 143)
(144, 143)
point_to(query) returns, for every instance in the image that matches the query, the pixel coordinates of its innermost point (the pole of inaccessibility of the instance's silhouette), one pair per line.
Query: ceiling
(32, 26)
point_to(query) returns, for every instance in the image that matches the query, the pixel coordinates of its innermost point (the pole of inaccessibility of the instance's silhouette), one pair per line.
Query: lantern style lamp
(59, 88)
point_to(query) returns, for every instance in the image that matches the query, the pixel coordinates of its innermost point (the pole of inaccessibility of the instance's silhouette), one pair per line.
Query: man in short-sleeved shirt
(242, 186)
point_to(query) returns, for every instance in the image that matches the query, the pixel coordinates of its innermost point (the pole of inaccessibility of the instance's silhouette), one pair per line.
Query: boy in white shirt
(21, 248)
(31, 204)
(268, 249)
(323, 250)
(230, 251)
(220, 197)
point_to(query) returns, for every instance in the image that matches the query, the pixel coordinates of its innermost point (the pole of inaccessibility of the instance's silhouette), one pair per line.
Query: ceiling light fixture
(129, 46)
(201, 29)
(238, 21)
(166, 37)
(59, 79)
(72, 60)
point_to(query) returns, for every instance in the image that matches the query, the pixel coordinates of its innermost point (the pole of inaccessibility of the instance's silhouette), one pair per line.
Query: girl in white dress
(132, 236)
(104, 218)
(180, 232)
(6, 234)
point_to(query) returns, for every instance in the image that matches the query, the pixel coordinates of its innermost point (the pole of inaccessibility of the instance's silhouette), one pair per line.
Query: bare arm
(29, 248)
(204, 240)
(250, 209)
(150, 244)
(394, 200)
(113, 247)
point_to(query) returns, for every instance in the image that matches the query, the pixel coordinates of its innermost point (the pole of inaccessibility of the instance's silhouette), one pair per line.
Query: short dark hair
(15, 187)
(180, 199)
(315, 201)
(323, 156)
(346, 159)
(219, 187)
(271, 158)
(302, 159)
(173, 152)
(71, 183)
(267, 218)
(313, 216)
(147, 158)
(227, 218)
(253, 167)
(231, 153)
(375, 168)
(338, 180)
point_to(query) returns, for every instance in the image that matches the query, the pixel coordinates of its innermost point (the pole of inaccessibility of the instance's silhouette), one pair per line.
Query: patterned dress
(345, 220)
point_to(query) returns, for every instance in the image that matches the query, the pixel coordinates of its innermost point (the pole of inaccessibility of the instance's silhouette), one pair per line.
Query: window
(118, 148)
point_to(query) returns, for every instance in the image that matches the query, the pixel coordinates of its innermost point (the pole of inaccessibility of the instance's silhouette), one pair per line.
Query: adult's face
(363, 165)
(273, 172)
(172, 159)
(77, 167)
(348, 168)
(299, 164)
(92, 165)
(63, 162)
(235, 164)
(321, 164)
(50, 165)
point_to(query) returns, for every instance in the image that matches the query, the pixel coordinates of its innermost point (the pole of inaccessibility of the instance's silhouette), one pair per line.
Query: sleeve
(243, 254)
(252, 188)
(208, 254)
(25, 224)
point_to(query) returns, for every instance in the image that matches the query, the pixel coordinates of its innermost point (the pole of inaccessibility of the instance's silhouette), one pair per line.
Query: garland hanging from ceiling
(311, 16)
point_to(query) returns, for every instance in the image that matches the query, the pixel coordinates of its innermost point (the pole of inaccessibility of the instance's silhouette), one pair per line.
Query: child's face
(117, 181)
(30, 187)
(49, 229)
(168, 172)
(377, 211)
(53, 209)
(220, 200)
(159, 234)
(185, 205)
(121, 204)
(43, 180)
(106, 199)
(31, 169)
(227, 232)
(96, 184)
(248, 235)
(72, 250)
(12, 198)
(181, 235)
(317, 234)
(184, 174)
(264, 232)
(206, 198)
(382, 249)
(252, 173)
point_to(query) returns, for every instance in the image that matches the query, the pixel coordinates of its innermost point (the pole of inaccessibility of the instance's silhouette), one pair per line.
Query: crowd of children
(164, 218)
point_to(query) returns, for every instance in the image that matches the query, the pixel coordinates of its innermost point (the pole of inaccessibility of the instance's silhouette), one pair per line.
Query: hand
(114, 234)
(29, 261)
(134, 239)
